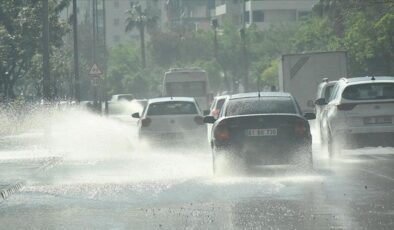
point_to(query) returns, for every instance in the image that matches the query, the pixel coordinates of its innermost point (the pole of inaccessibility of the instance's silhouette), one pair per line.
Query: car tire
(214, 163)
(309, 164)
(323, 139)
(333, 146)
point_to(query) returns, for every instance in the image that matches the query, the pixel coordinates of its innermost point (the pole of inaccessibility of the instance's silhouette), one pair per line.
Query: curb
(13, 188)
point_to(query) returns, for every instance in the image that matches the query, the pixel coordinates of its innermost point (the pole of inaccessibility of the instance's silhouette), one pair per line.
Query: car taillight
(300, 128)
(345, 107)
(146, 122)
(221, 132)
(199, 120)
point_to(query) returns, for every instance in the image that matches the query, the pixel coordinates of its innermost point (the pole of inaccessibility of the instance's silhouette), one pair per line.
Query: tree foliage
(20, 30)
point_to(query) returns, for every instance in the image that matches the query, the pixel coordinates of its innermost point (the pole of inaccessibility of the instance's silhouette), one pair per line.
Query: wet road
(139, 188)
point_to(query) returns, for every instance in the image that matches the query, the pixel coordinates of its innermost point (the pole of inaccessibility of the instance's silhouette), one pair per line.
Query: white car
(360, 113)
(122, 97)
(171, 120)
(324, 91)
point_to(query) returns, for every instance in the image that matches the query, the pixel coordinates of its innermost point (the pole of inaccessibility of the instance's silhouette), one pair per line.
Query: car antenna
(373, 78)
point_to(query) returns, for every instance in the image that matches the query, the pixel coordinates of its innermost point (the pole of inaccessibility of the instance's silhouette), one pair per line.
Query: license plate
(377, 120)
(261, 132)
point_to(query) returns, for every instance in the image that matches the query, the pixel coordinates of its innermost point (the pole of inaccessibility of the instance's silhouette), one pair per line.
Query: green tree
(124, 74)
(20, 29)
(140, 19)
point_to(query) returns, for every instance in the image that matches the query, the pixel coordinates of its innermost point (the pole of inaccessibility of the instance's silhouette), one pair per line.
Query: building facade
(262, 13)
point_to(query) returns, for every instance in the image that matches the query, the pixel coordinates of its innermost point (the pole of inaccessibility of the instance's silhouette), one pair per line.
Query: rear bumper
(268, 153)
(368, 129)
(365, 136)
(174, 137)
(371, 139)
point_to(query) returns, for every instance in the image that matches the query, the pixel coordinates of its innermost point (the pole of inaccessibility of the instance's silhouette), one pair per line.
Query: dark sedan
(262, 128)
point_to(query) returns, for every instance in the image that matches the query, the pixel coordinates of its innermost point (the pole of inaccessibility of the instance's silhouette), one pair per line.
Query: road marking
(377, 174)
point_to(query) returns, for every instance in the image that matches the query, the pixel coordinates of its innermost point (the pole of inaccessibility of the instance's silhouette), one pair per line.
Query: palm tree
(138, 18)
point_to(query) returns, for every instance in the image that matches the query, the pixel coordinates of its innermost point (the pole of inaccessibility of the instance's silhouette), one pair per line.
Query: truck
(188, 82)
(300, 74)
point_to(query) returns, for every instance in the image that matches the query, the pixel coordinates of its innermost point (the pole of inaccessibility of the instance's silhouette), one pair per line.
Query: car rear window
(261, 105)
(171, 108)
(370, 91)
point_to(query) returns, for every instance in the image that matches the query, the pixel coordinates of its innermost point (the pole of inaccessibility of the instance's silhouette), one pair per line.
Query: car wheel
(309, 159)
(214, 166)
(323, 141)
(334, 147)
(303, 158)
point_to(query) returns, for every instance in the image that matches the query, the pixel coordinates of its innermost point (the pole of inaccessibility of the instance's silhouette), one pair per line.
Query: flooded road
(90, 173)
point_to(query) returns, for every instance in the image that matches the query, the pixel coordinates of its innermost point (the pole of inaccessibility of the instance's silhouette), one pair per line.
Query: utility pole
(215, 37)
(105, 59)
(244, 49)
(76, 54)
(45, 40)
(94, 32)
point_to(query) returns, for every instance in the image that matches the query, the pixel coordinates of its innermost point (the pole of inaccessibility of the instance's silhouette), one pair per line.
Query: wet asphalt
(147, 188)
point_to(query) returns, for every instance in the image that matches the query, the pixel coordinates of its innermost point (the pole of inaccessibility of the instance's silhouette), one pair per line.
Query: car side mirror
(321, 101)
(206, 112)
(135, 115)
(209, 119)
(310, 116)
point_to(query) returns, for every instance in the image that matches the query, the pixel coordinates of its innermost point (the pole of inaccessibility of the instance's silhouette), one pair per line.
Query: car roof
(166, 99)
(330, 83)
(124, 94)
(222, 97)
(262, 94)
(367, 79)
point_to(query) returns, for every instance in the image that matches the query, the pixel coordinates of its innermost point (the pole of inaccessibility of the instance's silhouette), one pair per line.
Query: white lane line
(377, 174)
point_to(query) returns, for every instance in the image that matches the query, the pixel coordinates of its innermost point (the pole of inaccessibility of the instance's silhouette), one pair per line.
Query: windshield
(172, 108)
(263, 105)
(372, 91)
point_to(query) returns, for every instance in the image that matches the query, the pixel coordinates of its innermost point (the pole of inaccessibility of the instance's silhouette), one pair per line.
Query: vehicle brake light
(199, 120)
(146, 122)
(345, 107)
(300, 128)
(221, 132)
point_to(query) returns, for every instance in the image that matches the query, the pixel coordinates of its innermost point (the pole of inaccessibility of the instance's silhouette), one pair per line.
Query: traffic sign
(95, 71)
